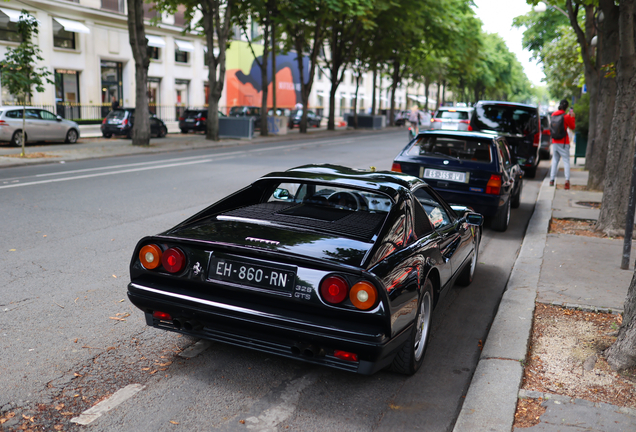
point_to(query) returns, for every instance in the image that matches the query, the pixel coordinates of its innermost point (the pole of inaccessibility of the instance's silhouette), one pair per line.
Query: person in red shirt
(561, 141)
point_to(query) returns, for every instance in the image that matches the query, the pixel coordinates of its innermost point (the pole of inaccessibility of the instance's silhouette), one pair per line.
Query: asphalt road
(70, 338)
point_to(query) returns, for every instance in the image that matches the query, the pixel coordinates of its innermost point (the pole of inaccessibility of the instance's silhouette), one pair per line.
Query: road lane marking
(120, 396)
(195, 349)
(220, 157)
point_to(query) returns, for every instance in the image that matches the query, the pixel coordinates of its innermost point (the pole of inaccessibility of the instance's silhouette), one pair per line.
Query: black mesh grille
(354, 224)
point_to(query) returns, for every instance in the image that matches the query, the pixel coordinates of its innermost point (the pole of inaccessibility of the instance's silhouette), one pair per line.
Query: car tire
(516, 199)
(468, 273)
(107, 135)
(411, 355)
(502, 218)
(16, 138)
(71, 136)
(163, 132)
(530, 172)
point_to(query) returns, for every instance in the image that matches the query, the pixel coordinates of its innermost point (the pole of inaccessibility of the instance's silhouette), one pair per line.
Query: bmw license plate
(190, 120)
(253, 274)
(450, 125)
(460, 177)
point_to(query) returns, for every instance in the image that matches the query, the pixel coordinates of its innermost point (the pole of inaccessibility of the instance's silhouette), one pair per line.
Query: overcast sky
(497, 17)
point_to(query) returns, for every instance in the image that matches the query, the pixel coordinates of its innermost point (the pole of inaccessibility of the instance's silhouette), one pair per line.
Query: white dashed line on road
(120, 396)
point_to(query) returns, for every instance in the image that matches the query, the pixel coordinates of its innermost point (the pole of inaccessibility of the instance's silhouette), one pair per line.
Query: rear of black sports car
(284, 276)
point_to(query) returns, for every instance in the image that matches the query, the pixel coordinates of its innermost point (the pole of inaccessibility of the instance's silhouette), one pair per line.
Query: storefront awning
(184, 46)
(344, 95)
(156, 41)
(72, 26)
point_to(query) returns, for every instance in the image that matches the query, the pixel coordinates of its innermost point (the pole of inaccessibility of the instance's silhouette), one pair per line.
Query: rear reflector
(344, 355)
(396, 167)
(334, 289)
(363, 295)
(470, 128)
(173, 260)
(162, 316)
(150, 256)
(494, 185)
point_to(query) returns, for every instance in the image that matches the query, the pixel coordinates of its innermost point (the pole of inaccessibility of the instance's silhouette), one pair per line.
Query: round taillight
(363, 295)
(173, 260)
(334, 289)
(150, 256)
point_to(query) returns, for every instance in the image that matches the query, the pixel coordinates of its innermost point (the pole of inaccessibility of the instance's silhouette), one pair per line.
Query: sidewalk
(91, 148)
(558, 269)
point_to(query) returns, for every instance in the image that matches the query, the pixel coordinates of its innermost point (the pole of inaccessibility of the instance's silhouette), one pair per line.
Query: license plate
(189, 120)
(449, 126)
(460, 177)
(253, 274)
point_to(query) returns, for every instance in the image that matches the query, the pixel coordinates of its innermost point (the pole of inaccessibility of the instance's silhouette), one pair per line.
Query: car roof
(459, 134)
(387, 182)
(492, 102)
(446, 108)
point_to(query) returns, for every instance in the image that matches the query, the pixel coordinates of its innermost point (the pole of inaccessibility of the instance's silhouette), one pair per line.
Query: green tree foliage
(562, 64)
(19, 72)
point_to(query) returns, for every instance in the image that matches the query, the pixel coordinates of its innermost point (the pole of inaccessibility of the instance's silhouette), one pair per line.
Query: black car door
(450, 243)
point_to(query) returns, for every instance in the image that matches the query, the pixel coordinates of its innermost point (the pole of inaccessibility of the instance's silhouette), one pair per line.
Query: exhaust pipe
(192, 325)
(177, 324)
(311, 351)
(297, 349)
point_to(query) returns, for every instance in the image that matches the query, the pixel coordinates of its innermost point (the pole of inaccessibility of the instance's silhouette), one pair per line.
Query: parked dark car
(519, 123)
(313, 119)
(546, 137)
(247, 111)
(325, 264)
(120, 121)
(468, 168)
(195, 120)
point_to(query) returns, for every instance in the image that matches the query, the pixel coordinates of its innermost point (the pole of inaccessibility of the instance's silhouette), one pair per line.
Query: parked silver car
(41, 125)
(452, 118)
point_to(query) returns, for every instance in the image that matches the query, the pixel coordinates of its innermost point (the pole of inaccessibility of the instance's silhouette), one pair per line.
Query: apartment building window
(154, 94)
(113, 5)
(182, 50)
(179, 17)
(150, 11)
(8, 27)
(155, 44)
(64, 31)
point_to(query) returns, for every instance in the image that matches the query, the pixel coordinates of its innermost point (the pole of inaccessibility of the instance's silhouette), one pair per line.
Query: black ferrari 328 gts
(321, 263)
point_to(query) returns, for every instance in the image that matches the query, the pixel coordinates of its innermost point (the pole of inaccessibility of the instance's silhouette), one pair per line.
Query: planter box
(236, 127)
(367, 121)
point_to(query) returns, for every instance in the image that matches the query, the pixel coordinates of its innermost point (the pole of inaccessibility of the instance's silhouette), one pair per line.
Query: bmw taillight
(104, 121)
(363, 295)
(465, 121)
(396, 167)
(181, 118)
(536, 142)
(173, 260)
(150, 256)
(494, 185)
(124, 123)
(547, 132)
(334, 289)
(202, 119)
(470, 128)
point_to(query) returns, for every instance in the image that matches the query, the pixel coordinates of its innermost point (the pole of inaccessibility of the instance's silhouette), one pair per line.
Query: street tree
(213, 19)
(562, 64)
(19, 73)
(303, 22)
(260, 12)
(139, 46)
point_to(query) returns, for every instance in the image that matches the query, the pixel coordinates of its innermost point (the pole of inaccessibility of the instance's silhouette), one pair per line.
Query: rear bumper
(113, 130)
(487, 205)
(274, 334)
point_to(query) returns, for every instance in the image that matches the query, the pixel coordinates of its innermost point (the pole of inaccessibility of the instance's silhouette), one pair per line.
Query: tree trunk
(622, 354)
(437, 97)
(355, 109)
(265, 80)
(23, 153)
(139, 45)
(299, 38)
(443, 92)
(394, 84)
(618, 166)
(375, 73)
(596, 154)
(426, 86)
(215, 24)
(274, 64)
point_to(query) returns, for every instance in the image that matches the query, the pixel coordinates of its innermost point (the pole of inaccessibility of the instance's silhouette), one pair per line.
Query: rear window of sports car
(328, 208)
(456, 148)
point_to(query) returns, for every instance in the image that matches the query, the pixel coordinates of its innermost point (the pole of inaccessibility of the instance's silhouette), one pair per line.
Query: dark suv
(519, 123)
(120, 122)
(195, 120)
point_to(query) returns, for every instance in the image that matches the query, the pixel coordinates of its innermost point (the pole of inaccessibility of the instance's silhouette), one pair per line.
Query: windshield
(454, 115)
(117, 114)
(445, 147)
(508, 119)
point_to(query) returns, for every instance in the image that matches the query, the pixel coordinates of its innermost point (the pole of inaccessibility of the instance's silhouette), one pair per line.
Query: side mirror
(474, 219)
(59, 118)
(282, 194)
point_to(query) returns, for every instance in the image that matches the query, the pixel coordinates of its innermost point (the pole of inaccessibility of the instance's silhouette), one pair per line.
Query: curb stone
(491, 400)
(528, 394)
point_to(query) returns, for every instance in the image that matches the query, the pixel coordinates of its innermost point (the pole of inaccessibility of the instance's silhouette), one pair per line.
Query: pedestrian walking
(561, 122)
(414, 118)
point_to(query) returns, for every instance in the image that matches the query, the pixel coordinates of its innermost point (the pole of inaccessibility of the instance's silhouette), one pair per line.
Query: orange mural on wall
(245, 94)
